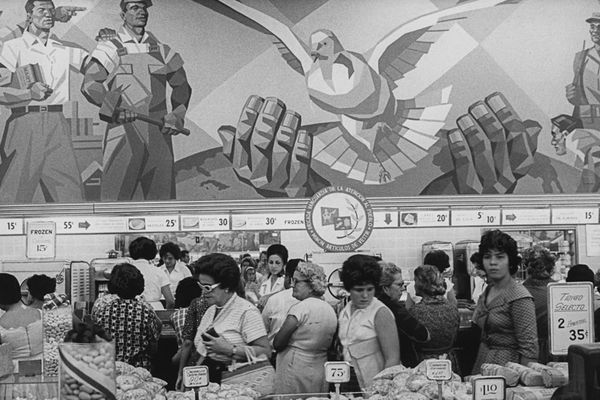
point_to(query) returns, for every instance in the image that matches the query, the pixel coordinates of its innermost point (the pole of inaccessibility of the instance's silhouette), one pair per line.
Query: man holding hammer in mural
(126, 77)
(584, 91)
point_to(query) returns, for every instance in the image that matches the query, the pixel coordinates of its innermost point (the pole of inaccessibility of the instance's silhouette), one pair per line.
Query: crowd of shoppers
(225, 312)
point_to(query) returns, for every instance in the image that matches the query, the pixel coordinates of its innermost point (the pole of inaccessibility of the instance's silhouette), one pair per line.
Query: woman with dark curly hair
(231, 326)
(367, 329)
(435, 312)
(539, 264)
(277, 257)
(505, 312)
(133, 324)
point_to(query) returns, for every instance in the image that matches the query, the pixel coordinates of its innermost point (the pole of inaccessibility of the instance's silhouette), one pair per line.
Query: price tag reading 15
(337, 372)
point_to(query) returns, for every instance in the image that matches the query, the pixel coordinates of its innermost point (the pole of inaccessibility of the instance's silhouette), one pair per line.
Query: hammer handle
(153, 121)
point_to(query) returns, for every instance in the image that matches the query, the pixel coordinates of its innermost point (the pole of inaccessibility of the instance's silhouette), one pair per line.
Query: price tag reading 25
(337, 372)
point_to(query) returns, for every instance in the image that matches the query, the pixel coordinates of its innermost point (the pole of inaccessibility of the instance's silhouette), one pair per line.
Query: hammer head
(109, 111)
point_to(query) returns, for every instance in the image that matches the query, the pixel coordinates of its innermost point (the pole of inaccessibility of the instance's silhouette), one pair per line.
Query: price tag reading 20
(337, 372)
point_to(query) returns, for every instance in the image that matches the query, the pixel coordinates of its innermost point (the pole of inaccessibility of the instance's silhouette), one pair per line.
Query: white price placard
(489, 388)
(570, 315)
(476, 217)
(153, 223)
(438, 370)
(526, 216)
(386, 219)
(337, 372)
(574, 216)
(194, 377)
(91, 224)
(41, 239)
(262, 222)
(410, 219)
(205, 223)
(11, 226)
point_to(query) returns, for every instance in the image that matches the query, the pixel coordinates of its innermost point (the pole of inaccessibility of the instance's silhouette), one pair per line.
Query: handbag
(6, 362)
(257, 374)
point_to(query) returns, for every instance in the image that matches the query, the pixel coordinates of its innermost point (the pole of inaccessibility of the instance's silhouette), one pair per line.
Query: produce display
(138, 384)
(57, 322)
(399, 382)
(87, 371)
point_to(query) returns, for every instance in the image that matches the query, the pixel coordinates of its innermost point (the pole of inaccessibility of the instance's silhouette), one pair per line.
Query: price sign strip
(570, 315)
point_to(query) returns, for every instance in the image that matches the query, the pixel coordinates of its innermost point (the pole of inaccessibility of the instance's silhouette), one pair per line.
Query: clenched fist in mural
(270, 150)
(491, 148)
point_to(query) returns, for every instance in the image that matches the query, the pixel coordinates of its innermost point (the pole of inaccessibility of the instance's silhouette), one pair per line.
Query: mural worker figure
(138, 155)
(584, 92)
(568, 136)
(37, 150)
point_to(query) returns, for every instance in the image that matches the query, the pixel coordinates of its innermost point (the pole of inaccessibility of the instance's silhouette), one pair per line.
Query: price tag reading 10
(337, 372)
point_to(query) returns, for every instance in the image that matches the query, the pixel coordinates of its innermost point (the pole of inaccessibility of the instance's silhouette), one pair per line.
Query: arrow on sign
(511, 217)
(85, 225)
(388, 218)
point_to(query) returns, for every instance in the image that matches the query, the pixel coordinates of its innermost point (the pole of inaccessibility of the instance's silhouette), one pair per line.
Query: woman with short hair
(539, 264)
(410, 330)
(367, 330)
(306, 335)
(133, 324)
(436, 313)
(170, 254)
(231, 326)
(505, 312)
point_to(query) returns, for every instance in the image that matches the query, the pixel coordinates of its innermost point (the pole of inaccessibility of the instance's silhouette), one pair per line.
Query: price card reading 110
(571, 315)
(337, 372)
(489, 388)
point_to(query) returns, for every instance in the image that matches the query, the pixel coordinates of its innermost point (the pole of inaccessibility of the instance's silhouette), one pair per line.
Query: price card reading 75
(337, 372)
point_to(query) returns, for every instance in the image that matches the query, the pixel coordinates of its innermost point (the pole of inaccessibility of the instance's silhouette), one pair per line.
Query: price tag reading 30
(489, 388)
(195, 377)
(337, 372)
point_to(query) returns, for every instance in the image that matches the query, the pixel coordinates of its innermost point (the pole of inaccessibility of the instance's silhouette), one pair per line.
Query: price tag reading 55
(337, 372)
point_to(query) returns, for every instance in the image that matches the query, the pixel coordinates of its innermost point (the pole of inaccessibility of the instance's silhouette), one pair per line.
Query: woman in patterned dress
(505, 312)
(133, 324)
(437, 314)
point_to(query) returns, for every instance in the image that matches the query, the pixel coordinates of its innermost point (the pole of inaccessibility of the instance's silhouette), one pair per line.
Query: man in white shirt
(156, 283)
(170, 254)
(279, 304)
(37, 150)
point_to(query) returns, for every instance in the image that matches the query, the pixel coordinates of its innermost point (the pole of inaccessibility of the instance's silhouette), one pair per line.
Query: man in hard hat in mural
(584, 91)
(569, 136)
(138, 157)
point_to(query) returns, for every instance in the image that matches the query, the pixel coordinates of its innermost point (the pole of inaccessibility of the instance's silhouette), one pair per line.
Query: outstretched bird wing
(292, 49)
(401, 50)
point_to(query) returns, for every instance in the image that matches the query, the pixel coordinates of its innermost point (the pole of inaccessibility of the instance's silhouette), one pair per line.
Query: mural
(227, 99)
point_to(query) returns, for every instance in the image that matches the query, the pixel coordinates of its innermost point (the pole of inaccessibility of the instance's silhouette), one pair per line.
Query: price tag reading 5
(337, 372)
(194, 377)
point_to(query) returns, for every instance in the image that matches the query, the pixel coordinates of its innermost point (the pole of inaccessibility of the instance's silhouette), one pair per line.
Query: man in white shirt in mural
(37, 151)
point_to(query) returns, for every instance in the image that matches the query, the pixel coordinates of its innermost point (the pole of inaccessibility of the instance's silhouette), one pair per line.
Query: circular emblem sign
(339, 219)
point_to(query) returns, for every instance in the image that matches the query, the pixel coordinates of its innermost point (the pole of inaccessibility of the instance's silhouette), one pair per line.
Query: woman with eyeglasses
(306, 335)
(410, 330)
(367, 329)
(436, 313)
(231, 323)
(505, 312)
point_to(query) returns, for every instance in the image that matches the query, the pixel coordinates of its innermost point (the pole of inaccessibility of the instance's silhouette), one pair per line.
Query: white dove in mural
(360, 90)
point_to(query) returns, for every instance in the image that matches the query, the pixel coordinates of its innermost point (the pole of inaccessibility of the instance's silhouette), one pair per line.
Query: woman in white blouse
(277, 256)
(367, 328)
(231, 323)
